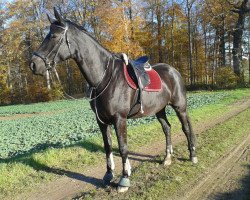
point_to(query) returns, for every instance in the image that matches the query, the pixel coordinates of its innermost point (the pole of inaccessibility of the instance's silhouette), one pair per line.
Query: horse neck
(91, 58)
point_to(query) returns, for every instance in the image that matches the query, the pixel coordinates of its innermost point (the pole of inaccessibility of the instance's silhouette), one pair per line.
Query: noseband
(51, 64)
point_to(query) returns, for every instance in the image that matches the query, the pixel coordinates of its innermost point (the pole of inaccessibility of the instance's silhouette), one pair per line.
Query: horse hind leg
(187, 129)
(166, 127)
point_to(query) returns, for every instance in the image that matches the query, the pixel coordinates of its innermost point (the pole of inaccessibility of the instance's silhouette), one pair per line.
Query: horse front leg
(121, 133)
(106, 135)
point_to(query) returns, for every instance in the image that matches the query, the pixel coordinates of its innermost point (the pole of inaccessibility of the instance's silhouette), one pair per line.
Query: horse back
(172, 80)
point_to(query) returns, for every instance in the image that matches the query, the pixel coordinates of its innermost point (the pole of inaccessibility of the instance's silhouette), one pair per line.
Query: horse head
(54, 48)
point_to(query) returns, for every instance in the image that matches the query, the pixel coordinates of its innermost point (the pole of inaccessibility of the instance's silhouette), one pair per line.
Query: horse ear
(51, 19)
(58, 16)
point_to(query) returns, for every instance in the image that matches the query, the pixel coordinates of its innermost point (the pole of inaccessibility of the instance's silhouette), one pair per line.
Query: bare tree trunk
(249, 64)
(237, 36)
(196, 71)
(152, 53)
(9, 82)
(214, 59)
(210, 55)
(205, 53)
(237, 49)
(172, 32)
(230, 48)
(159, 35)
(249, 53)
(131, 19)
(126, 27)
(222, 44)
(190, 58)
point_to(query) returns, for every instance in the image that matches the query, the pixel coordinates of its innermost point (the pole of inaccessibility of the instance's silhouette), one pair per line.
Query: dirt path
(27, 115)
(229, 179)
(73, 183)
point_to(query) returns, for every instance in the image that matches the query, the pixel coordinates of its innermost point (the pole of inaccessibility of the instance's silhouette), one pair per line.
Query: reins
(51, 65)
(94, 89)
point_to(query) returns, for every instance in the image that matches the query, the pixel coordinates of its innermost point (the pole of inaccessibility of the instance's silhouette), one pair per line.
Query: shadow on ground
(28, 159)
(240, 194)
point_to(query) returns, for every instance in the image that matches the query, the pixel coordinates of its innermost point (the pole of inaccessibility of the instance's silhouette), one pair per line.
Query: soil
(231, 168)
(228, 179)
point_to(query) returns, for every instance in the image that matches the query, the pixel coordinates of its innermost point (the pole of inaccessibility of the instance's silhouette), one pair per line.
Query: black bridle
(51, 64)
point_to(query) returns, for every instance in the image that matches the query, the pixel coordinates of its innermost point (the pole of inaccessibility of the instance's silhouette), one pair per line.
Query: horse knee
(124, 151)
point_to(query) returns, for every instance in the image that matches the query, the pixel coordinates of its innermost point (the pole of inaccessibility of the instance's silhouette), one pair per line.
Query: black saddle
(138, 73)
(141, 62)
(139, 66)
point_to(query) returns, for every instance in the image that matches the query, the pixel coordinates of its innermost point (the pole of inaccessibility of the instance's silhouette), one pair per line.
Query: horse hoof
(121, 189)
(108, 177)
(124, 182)
(167, 162)
(123, 185)
(194, 160)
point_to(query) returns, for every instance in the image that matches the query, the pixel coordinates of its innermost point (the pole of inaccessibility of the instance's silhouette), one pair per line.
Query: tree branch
(232, 4)
(236, 11)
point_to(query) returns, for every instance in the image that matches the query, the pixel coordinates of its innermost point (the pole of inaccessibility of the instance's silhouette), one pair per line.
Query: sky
(6, 1)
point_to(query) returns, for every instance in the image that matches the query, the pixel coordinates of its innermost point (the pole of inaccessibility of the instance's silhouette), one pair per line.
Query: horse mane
(81, 28)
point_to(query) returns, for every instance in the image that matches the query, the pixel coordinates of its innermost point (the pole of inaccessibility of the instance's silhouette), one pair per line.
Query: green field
(64, 123)
(64, 135)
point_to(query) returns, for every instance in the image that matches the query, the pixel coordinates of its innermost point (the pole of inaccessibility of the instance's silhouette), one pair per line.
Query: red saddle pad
(155, 80)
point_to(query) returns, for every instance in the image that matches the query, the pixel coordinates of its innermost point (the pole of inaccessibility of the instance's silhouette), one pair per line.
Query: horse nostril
(32, 66)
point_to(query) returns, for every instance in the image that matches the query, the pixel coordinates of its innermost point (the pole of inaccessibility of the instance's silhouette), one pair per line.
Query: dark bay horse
(112, 97)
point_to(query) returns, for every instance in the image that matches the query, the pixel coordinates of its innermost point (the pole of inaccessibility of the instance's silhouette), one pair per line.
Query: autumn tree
(197, 37)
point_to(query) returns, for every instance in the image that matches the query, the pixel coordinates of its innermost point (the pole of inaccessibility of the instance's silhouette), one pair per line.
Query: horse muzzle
(37, 66)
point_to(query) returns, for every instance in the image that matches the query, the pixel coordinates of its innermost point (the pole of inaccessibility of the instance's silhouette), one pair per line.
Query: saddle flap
(155, 84)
